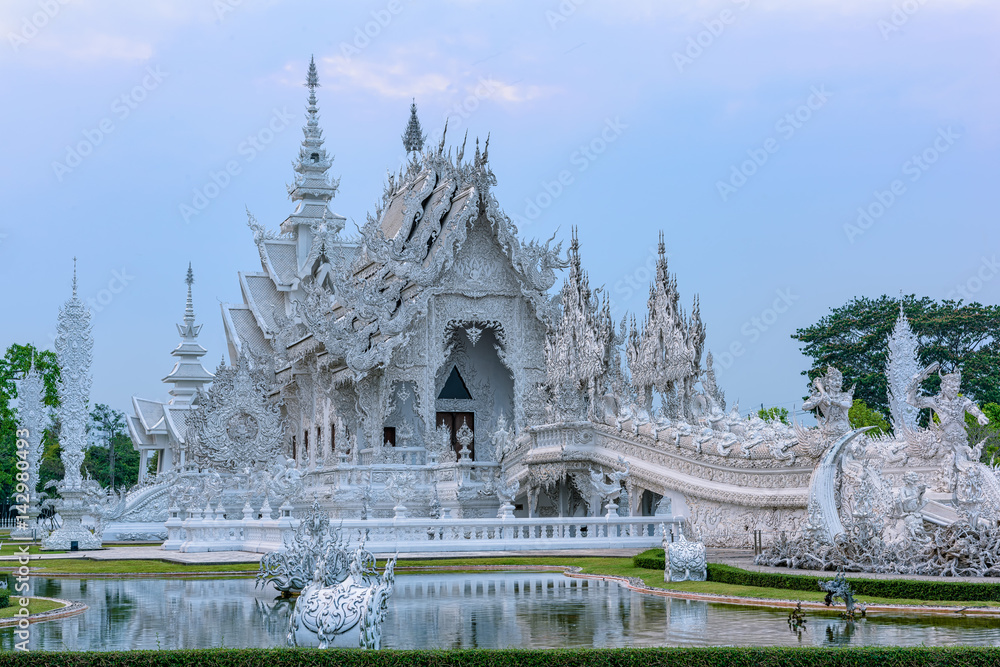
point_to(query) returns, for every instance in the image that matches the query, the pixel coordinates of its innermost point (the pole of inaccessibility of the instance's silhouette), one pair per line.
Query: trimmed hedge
(650, 559)
(964, 656)
(910, 589)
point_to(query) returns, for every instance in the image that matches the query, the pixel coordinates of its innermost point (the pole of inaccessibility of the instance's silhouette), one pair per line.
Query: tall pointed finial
(574, 250)
(189, 307)
(444, 133)
(413, 138)
(188, 375)
(74, 277)
(312, 78)
(313, 188)
(461, 151)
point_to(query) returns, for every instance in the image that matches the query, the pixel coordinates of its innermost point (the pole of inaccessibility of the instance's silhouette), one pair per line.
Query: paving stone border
(69, 608)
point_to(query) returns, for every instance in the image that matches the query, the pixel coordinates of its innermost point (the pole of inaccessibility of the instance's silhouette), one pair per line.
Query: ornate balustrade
(427, 535)
(411, 456)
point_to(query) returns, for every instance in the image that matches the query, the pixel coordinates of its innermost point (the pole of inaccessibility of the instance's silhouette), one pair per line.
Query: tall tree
(106, 427)
(959, 336)
(111, 459)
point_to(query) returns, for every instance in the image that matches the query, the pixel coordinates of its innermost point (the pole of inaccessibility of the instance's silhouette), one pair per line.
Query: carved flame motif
(235, 427)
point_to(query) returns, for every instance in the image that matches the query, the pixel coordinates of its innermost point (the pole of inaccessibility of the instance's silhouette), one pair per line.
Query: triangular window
(454, 386)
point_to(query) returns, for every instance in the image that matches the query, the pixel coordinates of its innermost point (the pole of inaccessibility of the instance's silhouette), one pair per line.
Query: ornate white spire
(33, 417)
(74, 349)
(188, 375)
(666, 354)
(312, 187)
(902, 366)
(581, 349)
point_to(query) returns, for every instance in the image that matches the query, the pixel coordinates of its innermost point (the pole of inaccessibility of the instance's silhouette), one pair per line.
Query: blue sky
(750, 132)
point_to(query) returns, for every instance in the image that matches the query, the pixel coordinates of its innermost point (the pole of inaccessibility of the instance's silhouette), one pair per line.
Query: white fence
(428, 535)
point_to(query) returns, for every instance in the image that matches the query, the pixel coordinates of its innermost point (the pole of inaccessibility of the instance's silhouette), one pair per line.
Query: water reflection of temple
(540, 610)
(484, 610)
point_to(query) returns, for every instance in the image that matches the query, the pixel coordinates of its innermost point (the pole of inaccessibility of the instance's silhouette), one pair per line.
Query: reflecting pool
(485, 610)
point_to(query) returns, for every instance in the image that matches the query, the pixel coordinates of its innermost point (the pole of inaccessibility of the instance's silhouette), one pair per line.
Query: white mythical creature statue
(833, 404)
(949, 407)
(909, 502)
(683, 560)
(348, 614)
(971, 478)
(291, 568)
(609, 491)
(401, 487)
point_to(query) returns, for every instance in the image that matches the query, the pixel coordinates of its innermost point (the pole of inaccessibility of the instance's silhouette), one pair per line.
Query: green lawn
(35, 606)
(13, 548)
(86, 566)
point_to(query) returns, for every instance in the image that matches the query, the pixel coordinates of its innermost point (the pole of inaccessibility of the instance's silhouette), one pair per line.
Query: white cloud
(393, 80)
(110, 47)
(400, 78)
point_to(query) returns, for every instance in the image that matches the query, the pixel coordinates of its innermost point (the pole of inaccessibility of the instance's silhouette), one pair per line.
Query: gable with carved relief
(481, 267)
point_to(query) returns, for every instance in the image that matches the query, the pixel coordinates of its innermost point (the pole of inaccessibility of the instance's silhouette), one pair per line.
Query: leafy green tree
(14, 365)
(860, 415)
(958, 336)
(990, 433)
(773, 414)
(111, 460)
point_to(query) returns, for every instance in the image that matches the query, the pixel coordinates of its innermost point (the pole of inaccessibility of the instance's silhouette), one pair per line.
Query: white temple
(427, 370)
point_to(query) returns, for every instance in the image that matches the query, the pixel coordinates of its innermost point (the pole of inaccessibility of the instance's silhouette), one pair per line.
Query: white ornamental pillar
(32, 420)
(74, 348)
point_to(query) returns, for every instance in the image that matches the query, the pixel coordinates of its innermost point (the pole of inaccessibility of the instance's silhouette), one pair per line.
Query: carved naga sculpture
(348, 614)
(685, 561)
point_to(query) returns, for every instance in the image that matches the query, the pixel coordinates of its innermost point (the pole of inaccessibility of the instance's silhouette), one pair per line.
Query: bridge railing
(429, 535)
